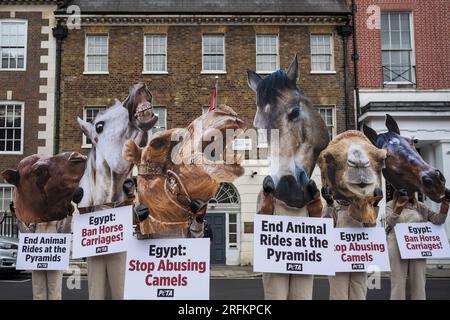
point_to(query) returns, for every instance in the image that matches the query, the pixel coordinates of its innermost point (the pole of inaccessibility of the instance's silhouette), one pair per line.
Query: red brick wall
(185, 90)
(431, 21)
(25, 87)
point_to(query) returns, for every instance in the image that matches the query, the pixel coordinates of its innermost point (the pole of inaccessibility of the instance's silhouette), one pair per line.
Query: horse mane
(349, 134)
(270, 86)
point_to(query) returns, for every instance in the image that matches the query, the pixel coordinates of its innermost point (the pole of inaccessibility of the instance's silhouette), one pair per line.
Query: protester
(407, 209)
(345, 285)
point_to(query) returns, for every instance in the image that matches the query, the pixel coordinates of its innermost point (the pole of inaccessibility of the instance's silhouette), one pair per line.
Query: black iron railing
(408, 74)
(8, 225)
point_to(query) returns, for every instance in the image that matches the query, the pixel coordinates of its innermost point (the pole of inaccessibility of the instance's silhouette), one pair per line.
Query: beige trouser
(401, 269)
(103, 270)
(47, 284)
(348, 286)
(279, 286)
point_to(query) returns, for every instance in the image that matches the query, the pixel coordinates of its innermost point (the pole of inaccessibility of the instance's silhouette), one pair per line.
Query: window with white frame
(232, 230)
(89, 114)
(155, 53)
(322, 52)
(96, 60)
(161, 124)
(6, 196)
(396, 46)
(13, 44)
(266, 53)
(11, 127)
(327, 113)
(213, 53)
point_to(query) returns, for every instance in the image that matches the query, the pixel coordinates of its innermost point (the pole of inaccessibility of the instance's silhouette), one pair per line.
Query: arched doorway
(223, 215)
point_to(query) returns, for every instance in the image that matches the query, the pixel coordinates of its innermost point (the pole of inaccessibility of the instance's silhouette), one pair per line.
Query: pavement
(246, 272)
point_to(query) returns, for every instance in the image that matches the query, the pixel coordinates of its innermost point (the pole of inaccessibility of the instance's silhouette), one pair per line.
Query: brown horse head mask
(179, 167)
(351, 167)
(405, 168)
(44, 185)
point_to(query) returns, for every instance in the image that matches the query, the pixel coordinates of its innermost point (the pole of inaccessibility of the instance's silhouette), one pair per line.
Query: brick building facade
(404, 70)
(179, 52)
(27, 86)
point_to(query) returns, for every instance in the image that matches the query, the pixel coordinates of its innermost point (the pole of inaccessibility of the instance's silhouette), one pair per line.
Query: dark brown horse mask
(174, 188)
(351, 167)
(405, 168)
(44, 185)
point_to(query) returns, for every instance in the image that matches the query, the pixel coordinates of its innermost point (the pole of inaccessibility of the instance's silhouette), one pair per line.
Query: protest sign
(102, 232)
(43, 251)
(422, 240)
(360, 249)
(297, 245)
(168, 269)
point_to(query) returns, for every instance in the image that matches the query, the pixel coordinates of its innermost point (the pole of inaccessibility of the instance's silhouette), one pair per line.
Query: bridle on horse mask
(173, 182)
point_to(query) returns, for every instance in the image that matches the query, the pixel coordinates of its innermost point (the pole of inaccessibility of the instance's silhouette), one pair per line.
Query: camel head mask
(351, 166)
(182, 168)
(44, 185)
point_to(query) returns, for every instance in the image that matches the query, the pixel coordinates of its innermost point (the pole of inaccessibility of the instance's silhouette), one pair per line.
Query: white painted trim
(24, 21)
(224, 71)
(278, 52)
(332, 64)
(86, 35)
(22, 125)
(144, 54)
(323, 72)
(93, 73)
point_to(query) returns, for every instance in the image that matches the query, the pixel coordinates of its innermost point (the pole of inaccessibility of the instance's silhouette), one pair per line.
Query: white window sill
(393, 83)
(155, 72)
(13, 69)
(323, 72)
(213, 72)
(265, 72)
(86, 146)
(11, 153)
(94, 73)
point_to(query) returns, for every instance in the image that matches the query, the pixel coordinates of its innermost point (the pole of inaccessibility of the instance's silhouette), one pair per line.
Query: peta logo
(42, 265)
(426, 253)
(294, 267)
(165, 293)
(357, 266)
(101, 249)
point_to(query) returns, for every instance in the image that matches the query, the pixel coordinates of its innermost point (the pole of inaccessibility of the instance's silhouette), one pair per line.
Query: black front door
(218, 244)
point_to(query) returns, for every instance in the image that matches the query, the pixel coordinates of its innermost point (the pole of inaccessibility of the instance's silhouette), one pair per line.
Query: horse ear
(391, 124)
(11, 176)
(86, 127)
(371, 134)
(253, 80)
(131, 152)
(292, 72)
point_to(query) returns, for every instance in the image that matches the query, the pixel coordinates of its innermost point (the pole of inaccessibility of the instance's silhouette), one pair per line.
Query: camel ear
(371, 134)
(131, 152)
(11, 176)
(86, 127)
(253, 80)
(391, 124)
(292, 72)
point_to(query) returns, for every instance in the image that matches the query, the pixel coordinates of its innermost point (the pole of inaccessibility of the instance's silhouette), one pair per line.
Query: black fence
(8, 225)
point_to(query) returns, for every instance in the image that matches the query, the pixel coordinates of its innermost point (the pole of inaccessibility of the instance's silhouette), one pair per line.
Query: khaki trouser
(415, 269)
(47, 284)
(279, 286)
(348, 286)
(103, 270)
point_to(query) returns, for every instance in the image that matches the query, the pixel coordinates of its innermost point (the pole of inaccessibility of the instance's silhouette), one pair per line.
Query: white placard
(43, 251)
(242, 144)
(295, 245)
(175, 269)
(422, 241)
(361, 249)
(102, 232)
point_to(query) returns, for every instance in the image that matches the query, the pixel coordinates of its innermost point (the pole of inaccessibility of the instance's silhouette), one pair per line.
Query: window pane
(232, 228)
(97, 53)
(89, 115)
(10, 127)
(233, 238)
(233, 218)
(160, 125)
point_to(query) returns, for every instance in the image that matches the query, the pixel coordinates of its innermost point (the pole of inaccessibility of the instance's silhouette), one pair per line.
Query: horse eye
(99, 127)
(294, 114)
(415, 141)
